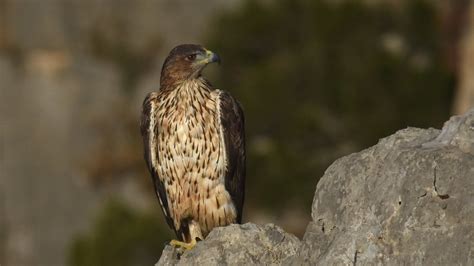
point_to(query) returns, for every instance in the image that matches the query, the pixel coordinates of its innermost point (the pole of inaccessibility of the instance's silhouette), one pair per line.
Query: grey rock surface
(246, 244)
(409, 200)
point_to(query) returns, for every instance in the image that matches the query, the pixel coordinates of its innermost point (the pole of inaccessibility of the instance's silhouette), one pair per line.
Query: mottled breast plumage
(191, 155)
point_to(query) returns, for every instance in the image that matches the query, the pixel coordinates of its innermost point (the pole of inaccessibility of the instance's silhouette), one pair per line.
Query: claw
(180, 244)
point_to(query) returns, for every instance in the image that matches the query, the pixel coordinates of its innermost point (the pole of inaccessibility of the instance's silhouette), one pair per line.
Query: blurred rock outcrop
(406, 200)
(61, 77)
(44, 135)
(64, 24)
(465, 93)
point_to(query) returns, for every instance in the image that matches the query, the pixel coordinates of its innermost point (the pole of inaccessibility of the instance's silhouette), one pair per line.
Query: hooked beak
(212, 57)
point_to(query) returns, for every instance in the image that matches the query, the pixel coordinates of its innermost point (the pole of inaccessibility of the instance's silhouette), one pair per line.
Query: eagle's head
(186, 61)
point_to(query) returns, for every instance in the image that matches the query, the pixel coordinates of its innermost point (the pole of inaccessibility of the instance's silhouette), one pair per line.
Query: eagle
(194, 147)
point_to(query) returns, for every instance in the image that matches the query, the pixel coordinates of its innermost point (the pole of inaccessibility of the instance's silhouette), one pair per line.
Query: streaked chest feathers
(191, 155)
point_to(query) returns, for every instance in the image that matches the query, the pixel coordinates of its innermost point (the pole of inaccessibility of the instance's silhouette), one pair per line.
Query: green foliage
(121, 236)
(319, 79)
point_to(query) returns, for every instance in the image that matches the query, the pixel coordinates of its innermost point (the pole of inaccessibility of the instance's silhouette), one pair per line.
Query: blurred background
(318, 80)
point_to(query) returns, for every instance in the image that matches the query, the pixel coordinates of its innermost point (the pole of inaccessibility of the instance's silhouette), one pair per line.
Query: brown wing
(149, 130)
(232, 119)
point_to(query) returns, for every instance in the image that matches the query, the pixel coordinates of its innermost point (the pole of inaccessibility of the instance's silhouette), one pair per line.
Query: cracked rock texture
(409, 200)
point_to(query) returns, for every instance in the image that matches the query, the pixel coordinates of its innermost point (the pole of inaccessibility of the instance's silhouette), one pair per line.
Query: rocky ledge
(407, 200)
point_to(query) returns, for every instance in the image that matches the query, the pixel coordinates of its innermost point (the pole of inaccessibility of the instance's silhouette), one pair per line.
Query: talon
(180, 244)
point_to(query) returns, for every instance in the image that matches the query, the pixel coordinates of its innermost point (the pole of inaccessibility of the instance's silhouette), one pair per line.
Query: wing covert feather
(232, 119)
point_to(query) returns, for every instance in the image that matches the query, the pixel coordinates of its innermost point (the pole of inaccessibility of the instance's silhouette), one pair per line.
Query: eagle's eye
(191, 57)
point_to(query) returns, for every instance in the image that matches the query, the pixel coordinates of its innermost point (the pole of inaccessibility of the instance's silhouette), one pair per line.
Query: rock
(407, 200)
(245, 244)
(458, 132)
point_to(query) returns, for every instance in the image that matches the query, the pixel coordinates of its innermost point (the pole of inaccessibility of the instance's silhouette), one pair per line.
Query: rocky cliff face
(407, 200)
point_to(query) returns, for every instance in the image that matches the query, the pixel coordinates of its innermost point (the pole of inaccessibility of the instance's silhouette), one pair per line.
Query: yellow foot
(179, 244)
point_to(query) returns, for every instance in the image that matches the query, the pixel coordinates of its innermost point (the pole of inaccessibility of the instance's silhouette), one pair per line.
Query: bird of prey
(194, 143)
